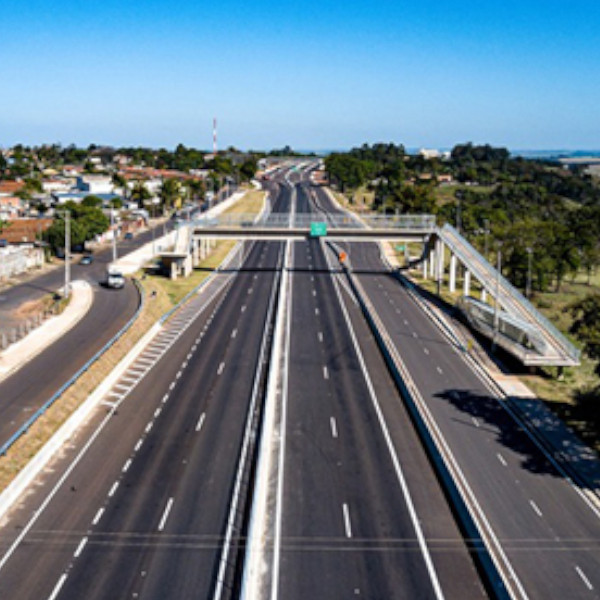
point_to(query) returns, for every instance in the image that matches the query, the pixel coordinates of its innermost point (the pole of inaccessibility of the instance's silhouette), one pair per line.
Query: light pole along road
(545, 526)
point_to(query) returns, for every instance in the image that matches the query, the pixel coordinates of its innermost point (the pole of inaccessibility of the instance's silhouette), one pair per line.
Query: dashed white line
(178, 375)
(149, 427)
(220, 369)
(405, 322)
(113, 489)
(475, 421)
(171, 385)
(501, 459)
(314, 292)
(426, 350)
(80, 548)
(439, 370)
(320, 336)
(347, 524)
(126, 465)
(234, 333)
(333, 423)
(138, 445)
(535, 507)
(585, 580)
(157, 412)
(316, 311)
(414, 334)
(57, 587)
(184, 364)
(165, 516)
(243, 308)
(200, 422)
(98, 516)
(325, 372)
(165, 398)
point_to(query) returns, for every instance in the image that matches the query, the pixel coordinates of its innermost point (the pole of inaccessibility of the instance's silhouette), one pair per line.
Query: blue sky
(316, 74)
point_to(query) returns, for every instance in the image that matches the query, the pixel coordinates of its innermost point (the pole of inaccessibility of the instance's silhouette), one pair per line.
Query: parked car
(129, 235)
(87, 260)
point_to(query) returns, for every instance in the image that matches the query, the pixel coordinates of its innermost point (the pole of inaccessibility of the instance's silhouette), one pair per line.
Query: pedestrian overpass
(516, 325)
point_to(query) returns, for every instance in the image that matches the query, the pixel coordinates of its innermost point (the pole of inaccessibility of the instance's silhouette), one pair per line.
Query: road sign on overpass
(318, 229)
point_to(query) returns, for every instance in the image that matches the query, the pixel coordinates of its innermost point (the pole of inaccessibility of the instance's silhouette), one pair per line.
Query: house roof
(25, 230)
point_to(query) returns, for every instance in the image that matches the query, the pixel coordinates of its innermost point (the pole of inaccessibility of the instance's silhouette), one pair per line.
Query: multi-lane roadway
(150, 499)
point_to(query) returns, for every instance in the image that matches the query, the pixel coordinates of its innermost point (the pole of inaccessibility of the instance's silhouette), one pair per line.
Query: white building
(95, 184)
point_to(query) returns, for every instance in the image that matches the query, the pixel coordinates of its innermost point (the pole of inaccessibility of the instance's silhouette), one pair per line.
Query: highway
(143, 510)
(545, 526)
(362, 512)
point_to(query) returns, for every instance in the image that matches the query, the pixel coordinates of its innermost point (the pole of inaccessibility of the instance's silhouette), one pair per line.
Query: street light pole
(114, 240)
(67, 253)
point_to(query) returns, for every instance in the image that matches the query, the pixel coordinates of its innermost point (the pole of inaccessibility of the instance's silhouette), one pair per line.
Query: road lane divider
(231, 563)
(260, 578)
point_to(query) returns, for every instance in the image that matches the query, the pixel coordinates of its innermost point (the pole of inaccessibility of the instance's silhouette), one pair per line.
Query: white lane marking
(184, 364)
(347, 524)
(171, 385)
(80, 548)
(439, 370)
(138, 370)
(414, 334)
(501, 459)
(316, 311)
(220, 369)
(333, 423)
(98, 516)
(405, 322)
(122, 387)
(426, 350)
(127, 465)
(314, 292)
(57, 587)
(584, 578)
(130, 379)
(243, 308)
(189, 355)
(165, 398)
(178, 376)
(249, 290)
(194, 348)
(149, 427)
(535, 507)
(234, 333)
(200, 422)
(113, 489)
(165, 516)
(114, 395)
(325, 372)
(475, 421)
(138, 445)
(157, 412)
(320, 336)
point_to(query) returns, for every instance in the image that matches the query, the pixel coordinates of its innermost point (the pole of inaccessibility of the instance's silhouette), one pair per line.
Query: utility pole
(67, 253)
(114, 232)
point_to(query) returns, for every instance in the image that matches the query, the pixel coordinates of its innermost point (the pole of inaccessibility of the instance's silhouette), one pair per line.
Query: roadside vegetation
(543, 218)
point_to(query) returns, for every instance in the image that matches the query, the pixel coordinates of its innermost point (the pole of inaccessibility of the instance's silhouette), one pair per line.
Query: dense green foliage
(527, 207)
(586, 325)
(86, 222)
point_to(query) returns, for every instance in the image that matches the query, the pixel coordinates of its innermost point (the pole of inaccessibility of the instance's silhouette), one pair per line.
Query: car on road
(129, 235)
(88, 259)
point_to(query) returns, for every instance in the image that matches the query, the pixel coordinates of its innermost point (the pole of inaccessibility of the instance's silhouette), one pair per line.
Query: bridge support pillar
(195, 253)
(452, 283)
(432, 264)
(483, 295)
(439, 254)
(467, 283)
(425, 267)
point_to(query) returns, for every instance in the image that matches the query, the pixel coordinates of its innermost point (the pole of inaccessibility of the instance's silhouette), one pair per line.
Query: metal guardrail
(450, 235)
(338, 220)
(40, 411)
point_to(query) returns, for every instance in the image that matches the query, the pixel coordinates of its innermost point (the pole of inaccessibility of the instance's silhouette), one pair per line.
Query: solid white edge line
(398, 469)
(165, 515)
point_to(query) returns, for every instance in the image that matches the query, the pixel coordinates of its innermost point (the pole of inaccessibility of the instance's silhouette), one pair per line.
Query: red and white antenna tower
(214, 135)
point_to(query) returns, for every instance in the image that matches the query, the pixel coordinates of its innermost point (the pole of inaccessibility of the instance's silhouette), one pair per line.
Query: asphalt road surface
(548, 530)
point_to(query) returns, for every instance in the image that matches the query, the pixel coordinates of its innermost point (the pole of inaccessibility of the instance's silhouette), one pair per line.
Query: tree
(140, 193)
(170, 194)
(586, 325)
(92, 201)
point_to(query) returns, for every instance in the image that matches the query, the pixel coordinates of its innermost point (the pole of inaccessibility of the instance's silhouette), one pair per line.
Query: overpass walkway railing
(509, 297)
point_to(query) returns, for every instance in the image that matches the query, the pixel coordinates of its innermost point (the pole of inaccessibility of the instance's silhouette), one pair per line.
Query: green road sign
(400, 247)
(318, 229)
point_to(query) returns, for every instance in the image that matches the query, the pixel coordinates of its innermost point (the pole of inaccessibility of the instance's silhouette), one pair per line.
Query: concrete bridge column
(483, 295)
(453, 273)
(195, 253)
(432, 264)
(467, 283)
(440, 260)
(425, 260)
